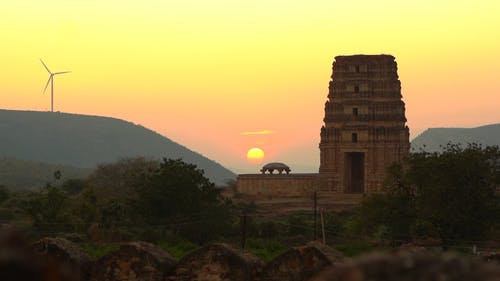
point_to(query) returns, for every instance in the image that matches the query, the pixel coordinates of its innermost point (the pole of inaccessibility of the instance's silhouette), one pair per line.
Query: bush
(97, 251)
(266, 250)
(178, 247)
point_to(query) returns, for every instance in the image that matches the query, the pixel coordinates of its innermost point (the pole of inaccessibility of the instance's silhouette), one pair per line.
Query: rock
(18, 261)
(134, 261)
(411, 247)
(73, 237)
(296, 240)
(218, 262)
(67, 253)
(97, 234)
(301, 263)
(491, 257)
(412, 266)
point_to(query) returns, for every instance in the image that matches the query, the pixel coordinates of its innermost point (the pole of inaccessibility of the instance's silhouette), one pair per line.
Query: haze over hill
(30, 175)
(85, 141)
(431, 139)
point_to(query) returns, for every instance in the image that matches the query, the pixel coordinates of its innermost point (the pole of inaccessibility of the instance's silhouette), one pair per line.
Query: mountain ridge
(88, 140)
(432, 139)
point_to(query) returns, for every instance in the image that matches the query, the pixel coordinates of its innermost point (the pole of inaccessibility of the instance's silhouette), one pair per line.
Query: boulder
(412, 266)
(134, 261)
(66, 253)
(301, 263)
(412, 247)
(218, 261)
(18, 261)
(491, 257)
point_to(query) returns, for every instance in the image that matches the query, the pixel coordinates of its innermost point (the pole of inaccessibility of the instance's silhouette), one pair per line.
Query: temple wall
(275, 185)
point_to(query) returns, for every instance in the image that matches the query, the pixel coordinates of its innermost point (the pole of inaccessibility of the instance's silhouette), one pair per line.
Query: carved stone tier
(365, 124)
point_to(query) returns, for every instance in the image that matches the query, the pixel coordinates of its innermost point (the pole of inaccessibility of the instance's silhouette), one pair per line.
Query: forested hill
(85, 141)
(431, 139)
(29, 175)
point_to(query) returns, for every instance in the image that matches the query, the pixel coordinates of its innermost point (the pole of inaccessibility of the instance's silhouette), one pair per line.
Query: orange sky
(202, 72)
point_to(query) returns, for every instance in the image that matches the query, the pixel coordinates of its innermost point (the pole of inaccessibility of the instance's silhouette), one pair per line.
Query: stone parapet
(276, 185)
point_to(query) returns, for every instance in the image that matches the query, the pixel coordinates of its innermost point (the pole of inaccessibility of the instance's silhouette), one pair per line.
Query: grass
(98, 251)
(355, 248)
(178, 248)
(266, 250)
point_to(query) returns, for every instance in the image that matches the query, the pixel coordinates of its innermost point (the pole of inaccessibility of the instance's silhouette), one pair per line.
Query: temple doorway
(354, 167)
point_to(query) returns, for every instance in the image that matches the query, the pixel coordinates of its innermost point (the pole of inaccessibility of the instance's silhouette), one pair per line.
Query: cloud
(263, 132)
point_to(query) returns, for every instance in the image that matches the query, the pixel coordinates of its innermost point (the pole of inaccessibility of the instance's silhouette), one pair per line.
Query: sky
(223, 76)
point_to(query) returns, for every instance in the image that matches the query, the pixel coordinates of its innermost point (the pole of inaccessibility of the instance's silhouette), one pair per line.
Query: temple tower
(365, 125)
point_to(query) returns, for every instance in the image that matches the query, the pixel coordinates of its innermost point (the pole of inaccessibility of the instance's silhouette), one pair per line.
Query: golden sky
(203, 72)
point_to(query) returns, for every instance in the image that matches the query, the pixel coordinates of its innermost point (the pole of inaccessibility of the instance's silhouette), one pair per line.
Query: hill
(85, 141)
(431, 139)
(27, 175)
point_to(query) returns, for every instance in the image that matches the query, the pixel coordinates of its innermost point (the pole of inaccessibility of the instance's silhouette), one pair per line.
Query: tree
(456, 190)
(451, 194)
(4, 194)
(73, 186)
(118, 181)
(178, 195)
(48, 209)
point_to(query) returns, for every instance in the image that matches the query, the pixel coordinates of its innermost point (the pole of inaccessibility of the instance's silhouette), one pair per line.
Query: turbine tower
(51, 81)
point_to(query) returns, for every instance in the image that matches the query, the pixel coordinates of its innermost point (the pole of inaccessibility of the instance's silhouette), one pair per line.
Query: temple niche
(364, 125)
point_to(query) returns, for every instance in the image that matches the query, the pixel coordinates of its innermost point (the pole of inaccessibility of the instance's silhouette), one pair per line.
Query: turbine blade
(45, 66)
(46, 85)
(62, 72)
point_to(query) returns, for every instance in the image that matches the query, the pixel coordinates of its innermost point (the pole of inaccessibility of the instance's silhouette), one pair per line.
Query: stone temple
(364, 132)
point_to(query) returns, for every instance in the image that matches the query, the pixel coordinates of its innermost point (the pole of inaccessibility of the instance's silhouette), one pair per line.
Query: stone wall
(276, 185)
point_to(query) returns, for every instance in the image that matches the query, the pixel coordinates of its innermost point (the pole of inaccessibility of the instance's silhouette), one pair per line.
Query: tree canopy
(450, 194)
(179, 194)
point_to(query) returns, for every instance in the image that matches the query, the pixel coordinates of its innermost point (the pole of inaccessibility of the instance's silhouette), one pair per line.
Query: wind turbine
(51, 81)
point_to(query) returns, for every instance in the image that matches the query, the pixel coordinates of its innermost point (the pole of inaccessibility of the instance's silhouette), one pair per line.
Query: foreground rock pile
(134, 261)
(301, 263)
(412, 266)
(218, 262)
(66, 253)
(58, 259)
(18, 261)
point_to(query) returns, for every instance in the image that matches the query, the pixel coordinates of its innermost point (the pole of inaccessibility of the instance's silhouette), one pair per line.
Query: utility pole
(322, 226)
(315, 215)
(243, 229)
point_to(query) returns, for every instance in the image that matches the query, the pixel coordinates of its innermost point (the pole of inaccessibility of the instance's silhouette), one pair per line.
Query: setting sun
(255, 154)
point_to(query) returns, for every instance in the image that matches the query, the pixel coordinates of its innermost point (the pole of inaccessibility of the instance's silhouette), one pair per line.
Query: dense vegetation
(170, 203)
(86, 141)
(450, 195)
(449, 198)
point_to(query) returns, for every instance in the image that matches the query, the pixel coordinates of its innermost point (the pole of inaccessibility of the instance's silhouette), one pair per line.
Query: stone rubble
(134, 261)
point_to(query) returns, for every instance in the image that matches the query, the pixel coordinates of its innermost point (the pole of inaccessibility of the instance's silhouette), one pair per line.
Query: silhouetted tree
(179, 196)
(73, 186)
(451, 194)
(118, 181)
(48, 209)
(4, 194)
(456, 190)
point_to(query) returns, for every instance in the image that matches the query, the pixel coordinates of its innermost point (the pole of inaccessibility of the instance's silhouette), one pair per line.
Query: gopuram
(364, 132)
(365, 125)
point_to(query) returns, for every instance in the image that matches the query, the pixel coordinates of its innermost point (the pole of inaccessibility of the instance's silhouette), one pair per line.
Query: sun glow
(255, 154)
